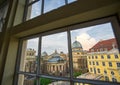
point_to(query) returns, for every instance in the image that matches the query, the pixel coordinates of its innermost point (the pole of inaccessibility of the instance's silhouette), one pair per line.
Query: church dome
(76, 44)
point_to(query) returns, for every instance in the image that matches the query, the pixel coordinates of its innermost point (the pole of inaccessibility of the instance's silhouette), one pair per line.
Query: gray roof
(55, 59)
(76, 44)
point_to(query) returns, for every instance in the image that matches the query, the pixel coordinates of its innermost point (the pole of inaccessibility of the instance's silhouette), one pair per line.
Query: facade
(79, 58)
(54, 64)
(104, 59)
(30, 61)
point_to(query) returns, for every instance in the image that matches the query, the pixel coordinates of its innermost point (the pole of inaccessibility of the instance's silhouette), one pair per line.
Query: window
(102, 57)
(89, 57)
(110, 64)
(90, 62)
(116, 56)
(97, 63)
(35, 8)
(93, 63)
(96, 57)
(91, 69)
(105, 72)
(55, 60)
(112, 73)
(114, 80)
(106, 78)
(103, 63)
(118, 64)
(108, 56)
(98, 70)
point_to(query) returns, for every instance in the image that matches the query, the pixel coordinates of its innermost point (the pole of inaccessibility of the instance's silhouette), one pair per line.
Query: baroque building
(103, 61)
(79, 57)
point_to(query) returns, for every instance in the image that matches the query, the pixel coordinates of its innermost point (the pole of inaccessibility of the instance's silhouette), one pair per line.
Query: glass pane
(29, 55)
(34, 10)
(54, 56)
(95, 53)
(46, 81)
(52, 4)
(26, 80)
(70, 1)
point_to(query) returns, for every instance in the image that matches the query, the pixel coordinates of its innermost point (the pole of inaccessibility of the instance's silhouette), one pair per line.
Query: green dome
(76, 44)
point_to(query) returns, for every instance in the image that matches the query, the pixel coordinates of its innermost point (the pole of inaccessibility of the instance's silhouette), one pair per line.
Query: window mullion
(42, 8)
(66, 2)
(38, 60)
(70, 57)
(25, 10)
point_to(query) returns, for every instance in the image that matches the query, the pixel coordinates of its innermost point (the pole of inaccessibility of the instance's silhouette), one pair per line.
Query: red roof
(104, 45)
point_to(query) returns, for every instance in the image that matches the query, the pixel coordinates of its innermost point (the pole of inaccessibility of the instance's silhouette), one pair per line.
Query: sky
(88, 37)
(48, 6)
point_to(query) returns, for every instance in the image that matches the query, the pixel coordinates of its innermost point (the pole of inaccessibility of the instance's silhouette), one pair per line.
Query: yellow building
(104, 59)
(79, 58)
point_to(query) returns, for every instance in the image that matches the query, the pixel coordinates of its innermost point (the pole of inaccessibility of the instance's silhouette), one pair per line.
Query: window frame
(111, 19)
(27, 5)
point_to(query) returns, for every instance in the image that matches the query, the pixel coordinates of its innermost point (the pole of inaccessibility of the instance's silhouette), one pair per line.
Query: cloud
(55, 41)
(33, 43)
(86, 40)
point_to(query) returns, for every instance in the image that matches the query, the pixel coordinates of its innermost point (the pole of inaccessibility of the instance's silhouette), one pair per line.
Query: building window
(116, 56)
(118, 64)
(91, 69)
(110, 64)
(90, 62)
(96, 57)
(103, 63)
(92, 57)
(105, 72)
(98, 70)
(108, 56)
(114, 79)
(112, 73)
(106, 78)
(97, 63)
(102, 57)
(50, 64)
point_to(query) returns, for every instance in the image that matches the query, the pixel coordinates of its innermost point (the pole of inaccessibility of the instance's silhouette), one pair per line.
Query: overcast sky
(88, 37)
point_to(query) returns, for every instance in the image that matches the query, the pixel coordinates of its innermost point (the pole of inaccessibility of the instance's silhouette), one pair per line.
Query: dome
(44, 54)
(55, 59)
(76, 44)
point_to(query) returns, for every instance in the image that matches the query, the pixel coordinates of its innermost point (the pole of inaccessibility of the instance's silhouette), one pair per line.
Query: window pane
(89, 42)
(70, 1)
(46, 81)
(54, 56)
(52, 4)
(29, 55)
(26, 80)
(34, 10)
